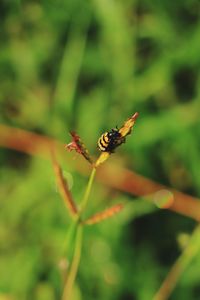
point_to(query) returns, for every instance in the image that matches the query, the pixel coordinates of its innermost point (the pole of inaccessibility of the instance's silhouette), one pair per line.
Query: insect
(110, 140)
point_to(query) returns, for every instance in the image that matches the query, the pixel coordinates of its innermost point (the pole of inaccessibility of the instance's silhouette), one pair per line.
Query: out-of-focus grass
(191, 250)
(88, 66)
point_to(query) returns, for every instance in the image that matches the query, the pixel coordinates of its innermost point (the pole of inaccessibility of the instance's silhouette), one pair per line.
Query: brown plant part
(128, 125)
(63, 188)
(27, 142)
(189, 253)
(101, 216)
(111, 175)
(78, 146)
(130, 182)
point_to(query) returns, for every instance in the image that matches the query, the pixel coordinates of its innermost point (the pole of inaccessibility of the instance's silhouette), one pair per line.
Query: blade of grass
(70, 68)
(74, 265)
(112, 16)
(191, 250)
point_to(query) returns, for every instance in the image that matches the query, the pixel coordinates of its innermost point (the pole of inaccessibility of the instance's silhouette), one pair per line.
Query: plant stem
(84, 202)
(191, 250)
(74, 265)
(78, 242)
(69, 240)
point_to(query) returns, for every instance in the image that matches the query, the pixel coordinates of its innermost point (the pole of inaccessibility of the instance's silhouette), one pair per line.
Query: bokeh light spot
(112, 274)
(163, 198)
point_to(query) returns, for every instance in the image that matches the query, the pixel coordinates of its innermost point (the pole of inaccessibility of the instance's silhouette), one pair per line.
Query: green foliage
(88, 66)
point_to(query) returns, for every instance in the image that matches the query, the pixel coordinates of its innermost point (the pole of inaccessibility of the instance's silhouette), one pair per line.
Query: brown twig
(63, 188)
(27, 142)
(130, 182)
(111, 175)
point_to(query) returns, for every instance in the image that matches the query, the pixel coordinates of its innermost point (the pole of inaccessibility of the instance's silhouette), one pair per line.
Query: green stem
(69, 240)
(74, 265)
(84, 202)
(78, 242)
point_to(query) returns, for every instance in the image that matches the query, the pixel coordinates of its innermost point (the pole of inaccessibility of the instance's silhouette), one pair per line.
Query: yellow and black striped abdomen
(109, 141)
(103, 142)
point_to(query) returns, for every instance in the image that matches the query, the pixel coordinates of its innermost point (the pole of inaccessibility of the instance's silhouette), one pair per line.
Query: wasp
(110, 140)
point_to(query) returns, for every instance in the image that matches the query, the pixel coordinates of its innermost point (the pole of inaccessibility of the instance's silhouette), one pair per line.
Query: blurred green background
(88, 66)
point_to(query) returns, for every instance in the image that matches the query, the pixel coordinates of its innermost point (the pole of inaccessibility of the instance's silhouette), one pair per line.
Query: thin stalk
(63, 188)
(191, 250)
(78, 242)
(74, 265)
(70, 238)
(87, 191)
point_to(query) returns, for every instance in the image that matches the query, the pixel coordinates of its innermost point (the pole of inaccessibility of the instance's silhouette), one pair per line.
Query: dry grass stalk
(100, 216)
(63, 188)
(128, 181)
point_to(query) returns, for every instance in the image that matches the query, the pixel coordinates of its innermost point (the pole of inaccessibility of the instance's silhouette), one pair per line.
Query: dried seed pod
(78, 146)
(99, 217)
